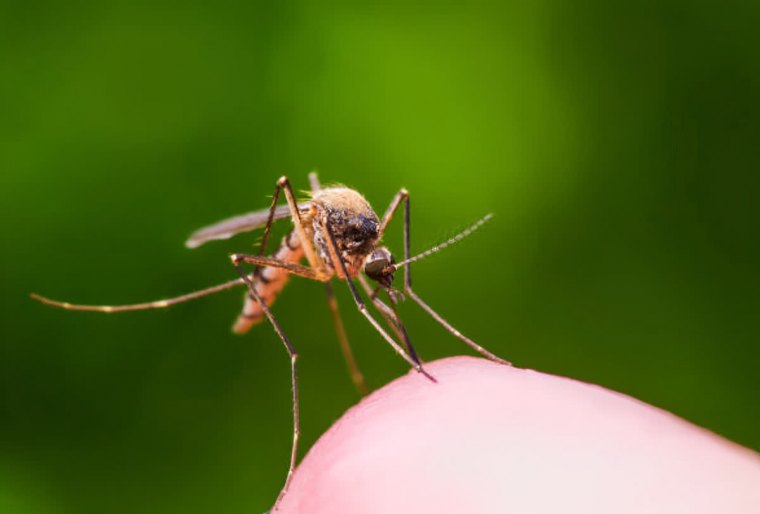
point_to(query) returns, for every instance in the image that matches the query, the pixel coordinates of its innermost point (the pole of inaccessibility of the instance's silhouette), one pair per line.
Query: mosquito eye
(361, 228)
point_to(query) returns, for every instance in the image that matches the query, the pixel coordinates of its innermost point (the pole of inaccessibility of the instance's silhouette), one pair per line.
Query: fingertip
(487, 437)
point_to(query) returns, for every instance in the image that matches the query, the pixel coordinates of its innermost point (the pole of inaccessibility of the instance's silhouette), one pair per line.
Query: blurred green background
(617, 146)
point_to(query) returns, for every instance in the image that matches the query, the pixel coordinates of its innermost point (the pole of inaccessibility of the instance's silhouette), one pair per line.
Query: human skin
(488, 438)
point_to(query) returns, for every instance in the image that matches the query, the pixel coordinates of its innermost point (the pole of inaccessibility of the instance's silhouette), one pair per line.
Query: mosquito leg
(363, 308)
(268, 226)
(410, 292)
(402, 195)
(391, 317)
(311, 255)
(295, 269)
(340, 329)
(293, 378)
(397, 320)
(353, 369)
(475, 346)
(381, 307)
(158, 304)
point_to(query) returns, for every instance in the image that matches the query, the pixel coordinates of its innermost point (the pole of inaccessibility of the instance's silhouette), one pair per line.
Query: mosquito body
(338, 235)
(356, 229)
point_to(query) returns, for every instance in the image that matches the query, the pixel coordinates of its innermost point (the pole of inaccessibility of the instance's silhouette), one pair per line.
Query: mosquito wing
(225, 229)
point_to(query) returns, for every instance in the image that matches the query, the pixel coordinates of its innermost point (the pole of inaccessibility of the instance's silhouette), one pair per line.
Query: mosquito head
(379, 266)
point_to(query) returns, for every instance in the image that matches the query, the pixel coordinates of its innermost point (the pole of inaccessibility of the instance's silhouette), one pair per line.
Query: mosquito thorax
(379, 266)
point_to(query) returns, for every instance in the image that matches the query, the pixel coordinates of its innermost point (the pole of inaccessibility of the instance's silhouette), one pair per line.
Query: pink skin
(492, 439)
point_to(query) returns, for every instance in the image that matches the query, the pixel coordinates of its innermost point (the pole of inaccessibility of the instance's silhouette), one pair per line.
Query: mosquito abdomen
(268, 283)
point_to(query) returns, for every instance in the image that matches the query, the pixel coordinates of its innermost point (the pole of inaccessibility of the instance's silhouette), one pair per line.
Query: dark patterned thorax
(353, 223)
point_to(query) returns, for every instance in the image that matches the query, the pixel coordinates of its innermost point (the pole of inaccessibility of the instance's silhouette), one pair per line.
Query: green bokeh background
(617, 146)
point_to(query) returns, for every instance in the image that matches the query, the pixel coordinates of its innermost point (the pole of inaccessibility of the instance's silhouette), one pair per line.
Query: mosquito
(338, 234)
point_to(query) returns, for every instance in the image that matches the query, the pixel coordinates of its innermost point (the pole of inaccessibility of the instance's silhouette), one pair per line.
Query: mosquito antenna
(446, 243)
(159, 304)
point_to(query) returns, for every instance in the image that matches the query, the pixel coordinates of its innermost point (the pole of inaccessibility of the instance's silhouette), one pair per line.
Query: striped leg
(157, 304)
(293, 378)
